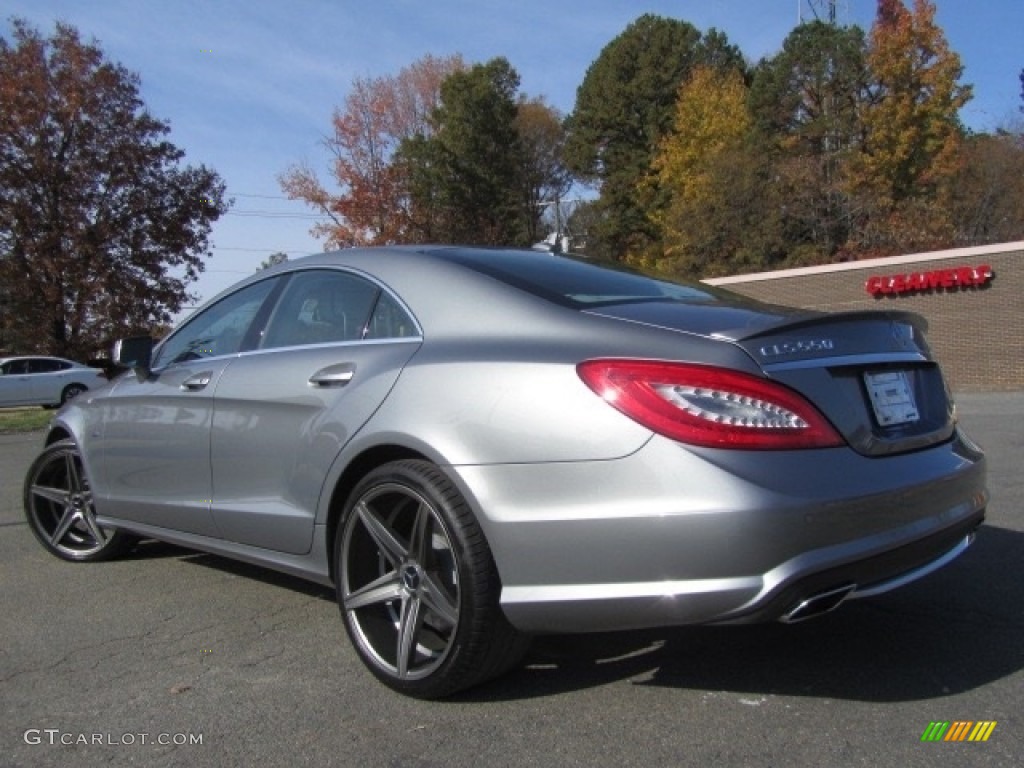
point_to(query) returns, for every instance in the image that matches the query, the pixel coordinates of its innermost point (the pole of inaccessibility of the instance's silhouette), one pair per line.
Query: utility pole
(558, 240)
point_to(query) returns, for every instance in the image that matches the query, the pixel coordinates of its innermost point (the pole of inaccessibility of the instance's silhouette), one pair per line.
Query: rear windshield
(574, 281)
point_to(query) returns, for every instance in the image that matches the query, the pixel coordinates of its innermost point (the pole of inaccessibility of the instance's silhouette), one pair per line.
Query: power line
(266, 250)
(257, 214)
(262, 197)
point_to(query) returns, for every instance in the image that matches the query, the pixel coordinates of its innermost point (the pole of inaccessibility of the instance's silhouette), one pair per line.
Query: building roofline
(888, 261)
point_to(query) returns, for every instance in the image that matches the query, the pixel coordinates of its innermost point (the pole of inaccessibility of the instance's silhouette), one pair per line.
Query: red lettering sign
(946, 279)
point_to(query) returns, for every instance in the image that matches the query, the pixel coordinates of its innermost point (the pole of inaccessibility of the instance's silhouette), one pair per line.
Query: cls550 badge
(797, 347)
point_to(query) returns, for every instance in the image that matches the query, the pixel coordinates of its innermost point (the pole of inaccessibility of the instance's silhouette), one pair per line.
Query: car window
(390, 321)
(218, 329)
(574, 281)
(321, 306)
(42, 365)
(16, 367)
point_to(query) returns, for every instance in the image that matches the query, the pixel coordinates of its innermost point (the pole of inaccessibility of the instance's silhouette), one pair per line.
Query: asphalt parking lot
(171, 657)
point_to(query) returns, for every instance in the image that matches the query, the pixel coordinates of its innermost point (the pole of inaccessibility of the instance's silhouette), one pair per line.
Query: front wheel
(59, 508)
(71, 391)
(417, 584)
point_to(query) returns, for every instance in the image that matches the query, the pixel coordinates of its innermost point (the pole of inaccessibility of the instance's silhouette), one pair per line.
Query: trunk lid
(871, 373)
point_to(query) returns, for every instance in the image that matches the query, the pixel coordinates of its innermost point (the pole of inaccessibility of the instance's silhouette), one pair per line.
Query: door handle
(337, 375)
(196, 382)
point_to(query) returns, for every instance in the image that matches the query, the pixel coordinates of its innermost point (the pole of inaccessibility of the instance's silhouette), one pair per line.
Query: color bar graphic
(982, 730)
(958, 730)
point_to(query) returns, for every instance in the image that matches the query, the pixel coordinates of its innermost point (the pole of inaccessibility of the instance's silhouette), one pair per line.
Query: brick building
(973, 299)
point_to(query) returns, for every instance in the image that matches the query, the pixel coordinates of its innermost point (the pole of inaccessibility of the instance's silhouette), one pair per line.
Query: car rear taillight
(713, 407)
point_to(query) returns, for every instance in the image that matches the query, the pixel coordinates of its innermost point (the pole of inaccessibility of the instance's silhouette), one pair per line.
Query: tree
(278, 257)
(623, 108)
(377, 116)
(912, 134)
(806, 101)
(544, 179)
(719, 210)
(711, 120)
(988, 191)
(464, 179)
(95, 207)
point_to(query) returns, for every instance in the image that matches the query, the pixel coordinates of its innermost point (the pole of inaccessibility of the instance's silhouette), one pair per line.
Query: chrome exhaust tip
(816, 605)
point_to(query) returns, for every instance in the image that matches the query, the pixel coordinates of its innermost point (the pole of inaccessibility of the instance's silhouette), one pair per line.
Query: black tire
(417, 584)
(60, 512)
(72, 390)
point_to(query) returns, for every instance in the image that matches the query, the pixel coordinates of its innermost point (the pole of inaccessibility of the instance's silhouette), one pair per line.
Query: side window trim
(365, 327)
(397, 300)
(369, 317)
(391, 319)
(259, 324)
(325, 344)
(160, 365)
(384, 291)
(271, 334)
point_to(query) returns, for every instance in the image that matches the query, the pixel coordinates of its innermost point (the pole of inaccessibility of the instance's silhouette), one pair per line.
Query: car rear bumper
(823, 591)
(672, 536)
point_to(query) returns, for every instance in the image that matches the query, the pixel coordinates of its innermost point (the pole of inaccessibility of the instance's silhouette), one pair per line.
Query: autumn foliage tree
(624, 107)
(842, 145)
(987, 198)
(371, 205)
(913, 137)
(101, 227)
(845, 146)
(441, 152)
(719, 216)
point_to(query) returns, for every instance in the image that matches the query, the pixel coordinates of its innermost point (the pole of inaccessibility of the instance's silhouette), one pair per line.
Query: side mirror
(136, 352)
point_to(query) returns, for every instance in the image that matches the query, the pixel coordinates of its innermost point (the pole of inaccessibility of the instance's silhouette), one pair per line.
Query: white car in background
(38, 380)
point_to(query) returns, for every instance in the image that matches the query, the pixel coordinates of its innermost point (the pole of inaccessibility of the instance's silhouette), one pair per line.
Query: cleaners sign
(944, 279)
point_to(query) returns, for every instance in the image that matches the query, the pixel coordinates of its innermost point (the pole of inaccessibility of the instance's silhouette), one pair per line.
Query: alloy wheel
(400, 585)
(59, 507)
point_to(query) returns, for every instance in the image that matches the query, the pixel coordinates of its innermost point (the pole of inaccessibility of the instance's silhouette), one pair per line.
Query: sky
(248, 87)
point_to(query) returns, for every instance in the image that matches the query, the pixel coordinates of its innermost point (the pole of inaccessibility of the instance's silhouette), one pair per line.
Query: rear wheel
(417, 584)
(59, 508)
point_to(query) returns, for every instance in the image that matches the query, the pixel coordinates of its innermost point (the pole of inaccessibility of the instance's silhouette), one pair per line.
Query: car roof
(441, 293)
(37, 357)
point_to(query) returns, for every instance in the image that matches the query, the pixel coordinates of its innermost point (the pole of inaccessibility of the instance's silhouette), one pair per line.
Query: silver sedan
(473, 446)
(40, 380)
